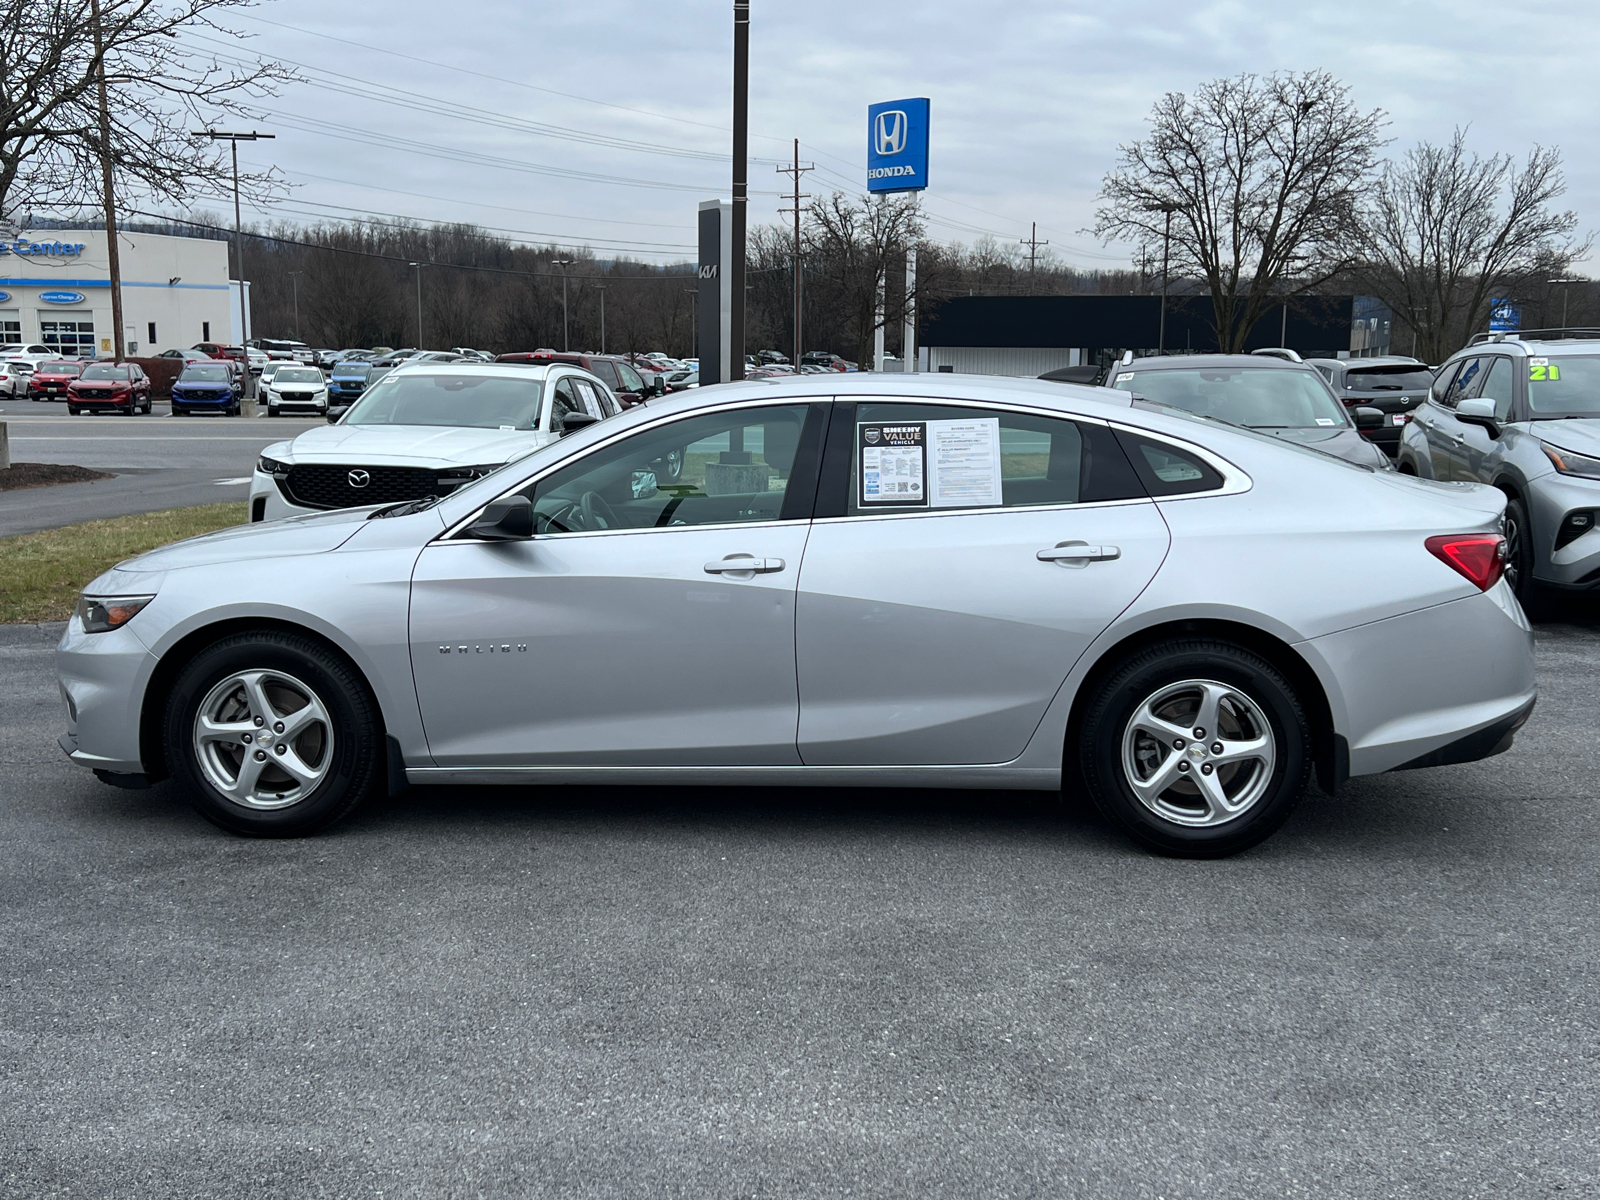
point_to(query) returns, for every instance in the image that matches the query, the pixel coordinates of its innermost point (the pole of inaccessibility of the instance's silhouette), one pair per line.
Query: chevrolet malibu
(909, 582)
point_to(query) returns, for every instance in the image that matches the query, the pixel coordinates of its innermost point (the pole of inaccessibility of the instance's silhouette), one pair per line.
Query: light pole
(1167, 208)
(294, 282)
(563, 263)
(601, 288)
(113, 259)
(419, 266)
(1566, 294)
(694, 318)
(741, 191)
(238, 233)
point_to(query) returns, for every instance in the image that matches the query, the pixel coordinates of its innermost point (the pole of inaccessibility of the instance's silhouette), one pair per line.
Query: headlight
(101, 614)
(271, 466)
(1569, 463)
(454, 477)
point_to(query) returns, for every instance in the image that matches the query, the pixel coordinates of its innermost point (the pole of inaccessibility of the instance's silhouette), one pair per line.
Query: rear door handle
(1078, 553)
(744, 564)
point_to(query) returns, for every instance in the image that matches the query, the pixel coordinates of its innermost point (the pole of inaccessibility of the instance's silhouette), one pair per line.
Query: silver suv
(1522, 412)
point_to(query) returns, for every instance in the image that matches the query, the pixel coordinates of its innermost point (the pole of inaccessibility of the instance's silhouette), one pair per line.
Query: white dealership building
(55, 289)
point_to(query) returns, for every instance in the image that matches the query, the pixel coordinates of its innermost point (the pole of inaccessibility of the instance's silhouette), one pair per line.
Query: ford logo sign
(4, 296)
(62, 297)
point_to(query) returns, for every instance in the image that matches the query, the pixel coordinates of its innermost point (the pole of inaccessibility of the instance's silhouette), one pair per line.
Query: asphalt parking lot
(793, 993)
(158, 461)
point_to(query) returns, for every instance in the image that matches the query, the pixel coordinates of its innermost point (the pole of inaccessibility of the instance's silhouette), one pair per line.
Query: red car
(235, 354)
(110, 387)
(51, 380)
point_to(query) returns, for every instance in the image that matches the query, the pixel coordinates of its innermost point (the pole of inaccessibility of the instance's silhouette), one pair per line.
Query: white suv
(424, 430)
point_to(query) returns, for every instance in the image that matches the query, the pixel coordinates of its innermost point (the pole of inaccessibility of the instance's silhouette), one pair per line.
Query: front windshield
(104, 371)
(1567, 385)
(1388, 379)
(206, 375)
(60, 368)
(1254, 397)
(297, 375)
(470, 401)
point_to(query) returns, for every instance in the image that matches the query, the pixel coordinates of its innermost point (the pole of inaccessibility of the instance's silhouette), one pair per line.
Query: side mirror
(1368, 417)
(509, 519)
(1479, 411)
(574, 421)
(335, 411)
(658, 385)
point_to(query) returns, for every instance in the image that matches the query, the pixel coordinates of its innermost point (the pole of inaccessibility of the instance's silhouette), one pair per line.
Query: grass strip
(42, 573)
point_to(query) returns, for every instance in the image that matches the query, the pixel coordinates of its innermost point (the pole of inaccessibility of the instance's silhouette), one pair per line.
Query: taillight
(1481, 557)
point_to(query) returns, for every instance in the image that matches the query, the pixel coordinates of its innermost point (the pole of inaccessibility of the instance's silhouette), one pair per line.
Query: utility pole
(795, 197)
(113, 258)
(1168, 209)
(1566, 294)
(1033, 243)
(563, 263)
(694, 318)
(294, 282)
(418, 267)
(601, 288)
(238, 234)
(908, 340)
(741, 192)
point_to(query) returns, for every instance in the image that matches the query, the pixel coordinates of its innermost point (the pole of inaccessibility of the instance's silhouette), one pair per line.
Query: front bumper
(193, 402)
(1577, 564)
(103, 678)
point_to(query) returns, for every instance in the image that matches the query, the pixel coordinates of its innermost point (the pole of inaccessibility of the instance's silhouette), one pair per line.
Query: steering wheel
(596, 512)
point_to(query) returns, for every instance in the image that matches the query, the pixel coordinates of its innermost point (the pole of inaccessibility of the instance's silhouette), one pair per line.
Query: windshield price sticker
(964, 462)
(1542, 370)
(894, 464)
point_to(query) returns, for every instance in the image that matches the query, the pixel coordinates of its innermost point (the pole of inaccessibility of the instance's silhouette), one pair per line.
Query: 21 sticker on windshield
(1542, 370)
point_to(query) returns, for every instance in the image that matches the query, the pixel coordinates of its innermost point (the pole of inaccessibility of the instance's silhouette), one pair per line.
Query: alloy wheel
(1198, 753)
(264, 739)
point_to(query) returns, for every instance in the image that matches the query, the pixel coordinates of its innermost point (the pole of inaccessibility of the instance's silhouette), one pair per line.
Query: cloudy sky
(605, 122)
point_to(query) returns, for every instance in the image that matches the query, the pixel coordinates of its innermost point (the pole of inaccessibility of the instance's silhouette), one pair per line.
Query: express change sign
(897, 146)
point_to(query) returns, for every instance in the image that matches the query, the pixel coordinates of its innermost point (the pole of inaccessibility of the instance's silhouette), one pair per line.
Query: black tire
(1519, 550)
(73, 411)
(1170, 823)
(351, 770)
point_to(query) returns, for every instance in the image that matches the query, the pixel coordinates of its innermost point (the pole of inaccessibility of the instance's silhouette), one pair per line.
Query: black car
(1269, 395)
(1393, 385)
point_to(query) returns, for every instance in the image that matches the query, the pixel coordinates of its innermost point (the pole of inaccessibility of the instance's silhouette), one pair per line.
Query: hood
(412, 445)
(1580, 435)
(295, 535)
(202, 383)
(1341, 442)
(297, 387)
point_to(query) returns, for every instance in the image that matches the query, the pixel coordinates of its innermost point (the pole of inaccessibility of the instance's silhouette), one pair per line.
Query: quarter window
(715, 469)
(1167, 470)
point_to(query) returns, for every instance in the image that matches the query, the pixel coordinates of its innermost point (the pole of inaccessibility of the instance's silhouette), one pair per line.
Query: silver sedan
(914, 582)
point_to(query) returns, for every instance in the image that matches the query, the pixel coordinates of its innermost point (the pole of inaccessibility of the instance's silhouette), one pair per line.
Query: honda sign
(897, 146)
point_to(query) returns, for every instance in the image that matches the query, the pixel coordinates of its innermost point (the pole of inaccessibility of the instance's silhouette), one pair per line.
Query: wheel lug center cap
(1197, 751)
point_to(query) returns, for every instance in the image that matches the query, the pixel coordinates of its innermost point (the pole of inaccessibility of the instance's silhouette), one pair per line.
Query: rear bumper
(1485, 743)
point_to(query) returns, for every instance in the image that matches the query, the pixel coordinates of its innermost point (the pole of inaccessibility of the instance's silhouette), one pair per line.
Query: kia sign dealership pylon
(897, 146)
(715, 292)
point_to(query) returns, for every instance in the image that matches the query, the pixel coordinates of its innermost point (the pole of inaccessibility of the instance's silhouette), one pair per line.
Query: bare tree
(1263, 179)
(160, 84)
(854, 245)
(1447, 232)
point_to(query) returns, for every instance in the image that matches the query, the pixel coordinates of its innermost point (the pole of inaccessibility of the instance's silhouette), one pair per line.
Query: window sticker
(964, 462)
(894, 464)
(1326, 421)
(1124, 377)
(1542, 371)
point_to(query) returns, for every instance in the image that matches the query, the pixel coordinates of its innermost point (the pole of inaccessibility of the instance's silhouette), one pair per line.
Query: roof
(1171, 362)
(1376, 360)
(1565, 342)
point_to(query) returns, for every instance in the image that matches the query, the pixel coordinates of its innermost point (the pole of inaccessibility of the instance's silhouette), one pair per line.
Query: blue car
(348, 380)
(206, 387)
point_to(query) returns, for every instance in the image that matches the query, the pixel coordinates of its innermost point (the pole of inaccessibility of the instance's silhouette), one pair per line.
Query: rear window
(1388, 379)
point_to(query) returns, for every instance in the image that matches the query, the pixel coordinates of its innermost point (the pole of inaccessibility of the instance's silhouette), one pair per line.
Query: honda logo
(889, 133)
(359, 479)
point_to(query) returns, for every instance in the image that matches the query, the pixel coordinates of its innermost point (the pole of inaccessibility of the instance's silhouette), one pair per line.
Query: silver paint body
(901, 649)
(1436, 445)
(428, 446)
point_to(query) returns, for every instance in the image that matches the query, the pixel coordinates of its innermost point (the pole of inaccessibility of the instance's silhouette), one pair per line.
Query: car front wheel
(270, 734)
(1519, 549)
(1195, 748)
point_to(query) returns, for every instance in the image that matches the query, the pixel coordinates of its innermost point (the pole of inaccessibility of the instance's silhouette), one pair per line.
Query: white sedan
(934, 581)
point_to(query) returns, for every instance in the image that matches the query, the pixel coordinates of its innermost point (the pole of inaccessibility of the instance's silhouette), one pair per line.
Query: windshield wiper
(405, 508)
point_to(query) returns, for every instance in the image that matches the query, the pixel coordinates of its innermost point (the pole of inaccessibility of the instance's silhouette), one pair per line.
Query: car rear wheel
(272, 735)
(1195, 748)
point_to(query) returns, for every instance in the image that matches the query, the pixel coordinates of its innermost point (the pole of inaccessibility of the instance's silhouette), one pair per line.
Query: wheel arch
(152, 710)
(1330, 752)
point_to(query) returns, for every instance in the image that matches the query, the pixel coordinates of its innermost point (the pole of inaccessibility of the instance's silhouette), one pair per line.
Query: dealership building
(55, 289)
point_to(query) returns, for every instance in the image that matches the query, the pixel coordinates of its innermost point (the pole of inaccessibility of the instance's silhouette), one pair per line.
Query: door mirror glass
(508, 519)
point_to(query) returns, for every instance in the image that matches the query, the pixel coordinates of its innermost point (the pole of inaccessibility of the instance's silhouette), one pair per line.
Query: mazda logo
(359, 479)
(889, 133)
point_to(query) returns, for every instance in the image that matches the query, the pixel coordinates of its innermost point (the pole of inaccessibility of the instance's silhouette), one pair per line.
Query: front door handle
(744, 564)
(1073, 554)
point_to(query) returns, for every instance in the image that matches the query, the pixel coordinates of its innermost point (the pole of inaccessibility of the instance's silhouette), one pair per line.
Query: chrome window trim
(663, 419)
